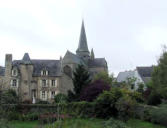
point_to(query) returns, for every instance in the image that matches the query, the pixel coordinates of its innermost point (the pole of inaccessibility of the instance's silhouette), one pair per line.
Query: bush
(159, 115)
(154, 99)
(60, 98)
(92, 91)
(125, 107)
(111, 123)
(13, 115)
(42, 102)
(51, 117)
(9, 97)
(105, 105)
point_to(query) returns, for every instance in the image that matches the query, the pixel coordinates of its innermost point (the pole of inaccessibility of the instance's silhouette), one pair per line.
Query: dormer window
(44, 72)
(14, 72)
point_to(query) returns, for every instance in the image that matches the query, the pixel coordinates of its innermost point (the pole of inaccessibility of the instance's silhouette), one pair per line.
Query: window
(14, 72)
(44, 72)
(54, 83)
(43, 83)
(53, 94)
(43, 95)
(14, 83)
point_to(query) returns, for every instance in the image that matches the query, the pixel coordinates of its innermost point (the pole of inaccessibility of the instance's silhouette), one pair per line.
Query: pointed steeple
(92, 55)
(83, 47)
(26, 59)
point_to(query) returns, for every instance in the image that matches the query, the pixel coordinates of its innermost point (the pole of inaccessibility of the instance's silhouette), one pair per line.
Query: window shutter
(46, 95)
(17, 83)
(50, 95)
(12, 72)
(40, 83)
(41, 72)
(11, 82)
(56, 83)
(41, 95)
(47, 83)
(50, 83)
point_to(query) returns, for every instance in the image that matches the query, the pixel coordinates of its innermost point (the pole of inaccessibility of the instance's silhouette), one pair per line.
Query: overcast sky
(128, 33)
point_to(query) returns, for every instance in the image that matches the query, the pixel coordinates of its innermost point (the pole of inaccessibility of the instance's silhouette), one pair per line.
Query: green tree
(80, 79)
(104, 76)
(159, 76)
(140, 88)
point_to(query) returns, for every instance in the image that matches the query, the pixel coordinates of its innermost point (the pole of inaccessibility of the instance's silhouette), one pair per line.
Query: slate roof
(52, 66)
(26, 59)
(72, 58)
(98, 62)
(83, 47)
(2, 71)
(123, 76)
(145, 73)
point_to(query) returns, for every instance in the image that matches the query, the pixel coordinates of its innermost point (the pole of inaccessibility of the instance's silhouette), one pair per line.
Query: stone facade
(43, 79)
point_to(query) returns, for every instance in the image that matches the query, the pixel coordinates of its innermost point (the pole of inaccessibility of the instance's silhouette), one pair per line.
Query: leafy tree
(80, 80)
(104, 76)
(60, 98)
(159, 76)
(91, 92)
(140, 88)
(9, 97)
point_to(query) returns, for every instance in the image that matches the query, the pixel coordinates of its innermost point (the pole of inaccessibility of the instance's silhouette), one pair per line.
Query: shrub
(159, 115)
(52, 117)
(13, 115)
(137, 96)
(42, 102)
(154, 99)
(81, 109)
(105, 105)
(60, 98)
(9, 97)
(92, 91)
(125, 107)
(111, 123)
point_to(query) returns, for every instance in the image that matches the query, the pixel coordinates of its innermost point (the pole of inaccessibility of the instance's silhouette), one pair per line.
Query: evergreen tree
(159, 76)
(81, 78)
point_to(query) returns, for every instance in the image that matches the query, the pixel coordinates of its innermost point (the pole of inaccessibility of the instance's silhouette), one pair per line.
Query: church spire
(83, 47)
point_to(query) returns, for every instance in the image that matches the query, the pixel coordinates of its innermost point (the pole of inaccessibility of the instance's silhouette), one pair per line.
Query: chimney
(8, 65)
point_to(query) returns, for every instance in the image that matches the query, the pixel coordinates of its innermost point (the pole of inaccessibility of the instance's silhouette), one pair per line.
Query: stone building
(43, 79)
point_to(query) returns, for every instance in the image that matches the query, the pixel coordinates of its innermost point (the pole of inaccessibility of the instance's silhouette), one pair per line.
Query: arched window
(68, 70)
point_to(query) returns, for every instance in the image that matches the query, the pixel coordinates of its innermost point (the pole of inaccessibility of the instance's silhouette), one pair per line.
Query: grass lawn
(25, 124)
(81, 123)
(141, 124)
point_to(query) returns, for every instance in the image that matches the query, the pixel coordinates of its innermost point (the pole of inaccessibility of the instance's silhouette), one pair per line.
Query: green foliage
(159, 81)
(80, 80)
(125, 107)
(141, 124)
(105, 105)
(60, 98)
(159, 115)
(154, 98)
(112, 123)
(104, 76)
(9, 97)
(140, 88)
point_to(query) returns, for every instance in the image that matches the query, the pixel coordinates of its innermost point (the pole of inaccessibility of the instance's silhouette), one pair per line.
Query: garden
(96, 102)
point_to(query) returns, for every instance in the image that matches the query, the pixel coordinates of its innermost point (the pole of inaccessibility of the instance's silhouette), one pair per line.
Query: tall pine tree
(159, 76)
(81, 78)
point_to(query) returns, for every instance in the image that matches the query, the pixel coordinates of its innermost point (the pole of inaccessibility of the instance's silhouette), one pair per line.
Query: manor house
(43, 79)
